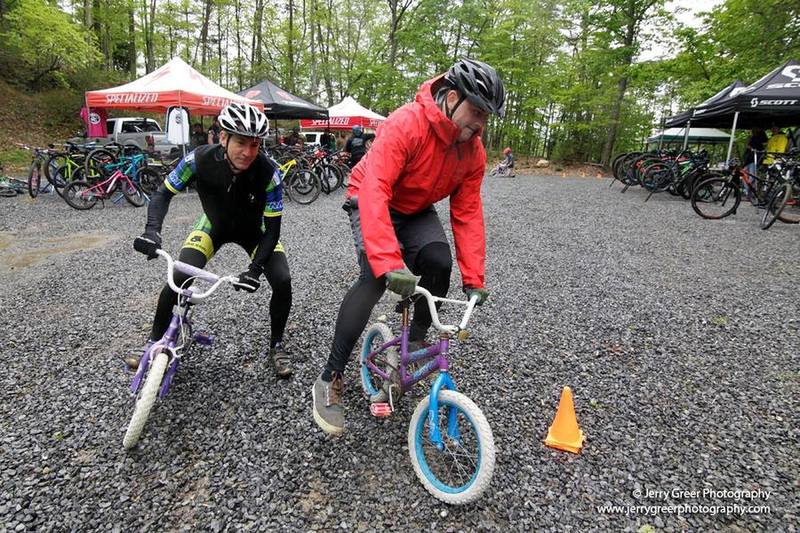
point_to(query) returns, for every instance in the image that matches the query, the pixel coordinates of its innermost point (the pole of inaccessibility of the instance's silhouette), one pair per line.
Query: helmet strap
(234, 168)
(449, 112)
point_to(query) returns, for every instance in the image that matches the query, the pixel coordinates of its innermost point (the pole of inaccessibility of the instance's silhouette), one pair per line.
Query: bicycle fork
(443, 380)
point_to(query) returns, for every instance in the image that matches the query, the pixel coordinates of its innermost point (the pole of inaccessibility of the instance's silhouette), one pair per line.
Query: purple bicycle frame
(437, 353)
(169, 340)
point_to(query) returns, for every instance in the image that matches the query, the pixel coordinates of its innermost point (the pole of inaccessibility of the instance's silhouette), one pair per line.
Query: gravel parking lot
(678, 336)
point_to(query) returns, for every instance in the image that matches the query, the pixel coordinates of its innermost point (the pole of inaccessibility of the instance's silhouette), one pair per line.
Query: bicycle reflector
(463, 335)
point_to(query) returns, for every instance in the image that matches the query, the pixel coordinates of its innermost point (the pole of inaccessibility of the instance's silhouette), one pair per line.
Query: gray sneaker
(133, 357)
(327, 401)
(280, 361)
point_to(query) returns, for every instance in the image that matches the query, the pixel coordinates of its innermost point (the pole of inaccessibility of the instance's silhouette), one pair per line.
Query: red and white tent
(173, 84)
(345, 115)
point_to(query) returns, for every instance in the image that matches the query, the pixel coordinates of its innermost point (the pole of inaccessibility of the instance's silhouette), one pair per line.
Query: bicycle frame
(180, 322)
(437, 356)
(111, 182)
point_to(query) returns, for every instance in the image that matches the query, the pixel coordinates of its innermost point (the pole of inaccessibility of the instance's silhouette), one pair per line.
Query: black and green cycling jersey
(243, 207)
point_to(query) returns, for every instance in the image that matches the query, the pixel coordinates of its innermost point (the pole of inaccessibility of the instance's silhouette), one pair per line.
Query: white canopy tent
(345, 115)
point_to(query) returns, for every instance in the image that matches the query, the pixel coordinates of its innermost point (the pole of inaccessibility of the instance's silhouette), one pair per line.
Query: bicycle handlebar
(452, 329)
(193, 271)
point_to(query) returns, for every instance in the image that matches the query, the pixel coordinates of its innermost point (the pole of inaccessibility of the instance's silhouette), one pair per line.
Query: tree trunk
(239, 74)
(219, 42)
(622, 85)
(88, 18)
(148, 17)
(204, 34)
(132, 40)
(290, 50)
(257, 43)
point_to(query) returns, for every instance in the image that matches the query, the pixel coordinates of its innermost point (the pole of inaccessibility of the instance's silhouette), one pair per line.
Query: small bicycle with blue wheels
(449, 440)
(159, 363)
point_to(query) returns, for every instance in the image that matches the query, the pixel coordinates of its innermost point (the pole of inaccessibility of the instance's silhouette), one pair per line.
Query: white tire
(146, 399)
(471, 419)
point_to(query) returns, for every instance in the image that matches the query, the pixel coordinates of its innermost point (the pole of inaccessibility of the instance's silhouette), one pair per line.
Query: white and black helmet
(480, 84)
(244, 119)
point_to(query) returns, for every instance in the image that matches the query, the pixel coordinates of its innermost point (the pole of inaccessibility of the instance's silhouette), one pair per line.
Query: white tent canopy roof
(345, 115)
(708, 135)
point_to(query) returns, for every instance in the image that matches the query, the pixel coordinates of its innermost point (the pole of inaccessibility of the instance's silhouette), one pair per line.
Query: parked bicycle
(449, 439)
(719, 195)
(85, 195)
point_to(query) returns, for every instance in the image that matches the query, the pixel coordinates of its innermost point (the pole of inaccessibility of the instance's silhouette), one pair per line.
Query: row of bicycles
(310, 171)
(716, 194)
(87, 175)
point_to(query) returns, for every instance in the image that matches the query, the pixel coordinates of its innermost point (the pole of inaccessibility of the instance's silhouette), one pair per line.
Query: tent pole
(686, 135)
(733, 133)
(661, 137)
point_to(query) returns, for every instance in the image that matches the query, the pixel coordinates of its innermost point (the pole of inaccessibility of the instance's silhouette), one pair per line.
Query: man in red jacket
(424, 152)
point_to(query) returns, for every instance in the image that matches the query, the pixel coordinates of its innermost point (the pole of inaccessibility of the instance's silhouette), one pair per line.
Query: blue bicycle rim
(419, 435)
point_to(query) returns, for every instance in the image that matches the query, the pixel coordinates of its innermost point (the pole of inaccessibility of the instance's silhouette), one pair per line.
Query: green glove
(482, 294)
(401, 281)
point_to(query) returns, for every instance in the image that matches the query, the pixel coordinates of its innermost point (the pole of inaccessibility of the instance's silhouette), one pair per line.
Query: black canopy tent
(682, 119)
(772, 100)
(280, 104)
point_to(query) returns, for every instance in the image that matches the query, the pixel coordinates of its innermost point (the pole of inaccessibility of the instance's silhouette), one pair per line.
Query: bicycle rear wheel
(145, 400)
(81, 195)
(132, 193)
(716, 197)
(375, 387)
(461, 471)
(95, 164)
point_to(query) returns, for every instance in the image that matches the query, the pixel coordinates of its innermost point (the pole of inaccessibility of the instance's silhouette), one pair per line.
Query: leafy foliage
(579, 88)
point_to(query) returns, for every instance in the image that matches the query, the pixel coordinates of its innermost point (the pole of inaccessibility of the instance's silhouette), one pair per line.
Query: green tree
(45, 44)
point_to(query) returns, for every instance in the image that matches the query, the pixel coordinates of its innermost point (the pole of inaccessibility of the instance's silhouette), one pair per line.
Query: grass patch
(15, 160)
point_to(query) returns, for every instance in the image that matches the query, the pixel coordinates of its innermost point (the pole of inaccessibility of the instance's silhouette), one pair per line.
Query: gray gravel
(678, 336)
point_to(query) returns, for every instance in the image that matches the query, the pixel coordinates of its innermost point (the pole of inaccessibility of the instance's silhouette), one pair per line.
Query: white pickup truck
(145, 133)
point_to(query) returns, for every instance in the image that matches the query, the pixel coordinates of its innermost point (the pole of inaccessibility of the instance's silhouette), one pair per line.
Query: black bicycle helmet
(480, 84)
(244, 119)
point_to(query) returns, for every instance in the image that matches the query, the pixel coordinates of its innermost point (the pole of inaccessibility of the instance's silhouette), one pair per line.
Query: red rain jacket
(413, 163)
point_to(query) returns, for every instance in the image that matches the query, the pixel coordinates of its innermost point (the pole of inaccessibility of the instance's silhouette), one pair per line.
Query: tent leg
(733, 133)
(686, 135)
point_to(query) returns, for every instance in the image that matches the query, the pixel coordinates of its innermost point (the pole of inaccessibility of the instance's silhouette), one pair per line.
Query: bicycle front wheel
(145, 400)
(34, 179)
(80, 195)
(716, 198)
(462, 470)
(149, 180)
(304, 187)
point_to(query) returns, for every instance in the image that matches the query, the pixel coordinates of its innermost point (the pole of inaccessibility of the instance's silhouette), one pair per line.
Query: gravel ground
(678, 336)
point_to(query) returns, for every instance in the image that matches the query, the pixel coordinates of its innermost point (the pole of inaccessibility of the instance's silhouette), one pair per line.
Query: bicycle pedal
(204, 339)
(380, 410)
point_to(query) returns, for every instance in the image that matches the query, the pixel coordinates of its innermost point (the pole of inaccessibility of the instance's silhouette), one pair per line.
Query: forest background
(579, 86)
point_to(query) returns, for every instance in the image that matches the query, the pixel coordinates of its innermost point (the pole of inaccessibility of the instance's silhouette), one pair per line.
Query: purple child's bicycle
(449, 440)
(160, 361)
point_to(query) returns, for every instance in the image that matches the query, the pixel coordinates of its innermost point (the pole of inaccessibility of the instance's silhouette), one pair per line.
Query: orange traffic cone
(564, 433)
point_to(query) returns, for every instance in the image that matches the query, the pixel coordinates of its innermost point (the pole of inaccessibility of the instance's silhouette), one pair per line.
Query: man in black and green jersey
(241, 195)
